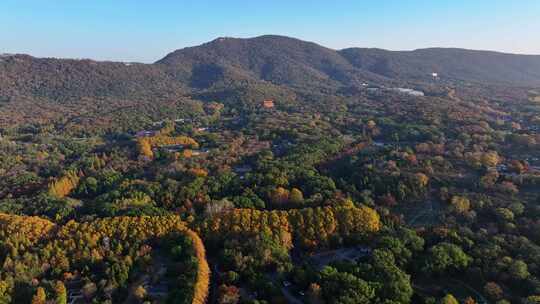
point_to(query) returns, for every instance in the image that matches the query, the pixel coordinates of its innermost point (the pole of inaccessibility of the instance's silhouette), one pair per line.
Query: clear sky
(146, 30)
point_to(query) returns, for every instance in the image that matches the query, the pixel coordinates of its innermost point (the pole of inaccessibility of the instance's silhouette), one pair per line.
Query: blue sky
(146, 30)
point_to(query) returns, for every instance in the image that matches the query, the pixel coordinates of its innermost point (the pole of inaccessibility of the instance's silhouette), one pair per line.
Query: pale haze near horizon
(146, 31)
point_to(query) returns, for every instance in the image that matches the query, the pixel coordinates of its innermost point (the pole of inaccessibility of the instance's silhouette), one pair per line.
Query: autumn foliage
(64, 185)
(31, 242)
(308, 227)
(145, 144)
(198, 172)
(202, 282)
(30, 228)
(145, 149)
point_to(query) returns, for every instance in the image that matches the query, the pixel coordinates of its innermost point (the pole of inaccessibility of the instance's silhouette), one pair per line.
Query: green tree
(535, 299)
(344, 288)
(394, 284)
(518, 270)
(446, 257)
(504, 214)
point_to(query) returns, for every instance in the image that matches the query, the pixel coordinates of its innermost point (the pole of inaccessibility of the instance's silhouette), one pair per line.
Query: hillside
(238, 72)
(64, 79)
(231, 62)
(280, 60)
(452, 64)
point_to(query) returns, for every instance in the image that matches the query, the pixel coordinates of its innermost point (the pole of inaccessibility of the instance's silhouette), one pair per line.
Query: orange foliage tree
(145, 148)
(309, 227)
(145, 144)
(64, 185)
(200, 293)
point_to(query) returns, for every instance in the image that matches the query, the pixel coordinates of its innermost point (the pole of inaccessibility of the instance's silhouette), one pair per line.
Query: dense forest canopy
(271, 170)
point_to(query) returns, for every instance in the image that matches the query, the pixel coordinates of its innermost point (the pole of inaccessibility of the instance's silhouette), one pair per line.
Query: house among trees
(269, 103)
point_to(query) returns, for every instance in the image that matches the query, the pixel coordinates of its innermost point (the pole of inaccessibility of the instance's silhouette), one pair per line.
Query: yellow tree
(422, 179)
(280, 196)
(490, 159)
(145, 148)
(460, 204)
(61, 293)
(40, 297)
(64, 185)
(296, 196)
(449, 299)
(202, 282)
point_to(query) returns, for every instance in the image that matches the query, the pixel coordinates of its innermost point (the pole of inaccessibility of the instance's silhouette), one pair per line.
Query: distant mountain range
(267, 61)
(289, 61)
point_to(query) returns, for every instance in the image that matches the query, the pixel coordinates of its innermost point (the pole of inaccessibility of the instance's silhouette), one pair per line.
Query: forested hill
(261, 61)
(277, 59)
(65, 79)
(449, 63)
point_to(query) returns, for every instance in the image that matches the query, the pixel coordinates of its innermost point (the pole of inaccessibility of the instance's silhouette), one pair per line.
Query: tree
(231, 277)
(508, 187)
(518, 270)
(89, 290)
(342, 287)
(198, 172)
(445, 257)
(534, 299)
(280, 196)
(490, 159)
(64, 185)
(422, 180)
(469, 300)
(61, 292)
(460, 204)
(5, 297)
(228, 294)
(493, 291)
(489, 179)
(448, 299)
(140, 292)
(40, 297)
(314, 293)
(296, 196)
(395, 285)
(202, 282)
(504, 214)
(145, 148)
(517, 167)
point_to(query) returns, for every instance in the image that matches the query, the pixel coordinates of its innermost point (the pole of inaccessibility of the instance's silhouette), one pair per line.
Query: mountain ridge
(269, 61)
